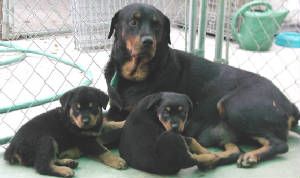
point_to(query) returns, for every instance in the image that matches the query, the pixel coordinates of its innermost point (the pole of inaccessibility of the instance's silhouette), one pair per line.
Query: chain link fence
(45, 26)
(280, 64)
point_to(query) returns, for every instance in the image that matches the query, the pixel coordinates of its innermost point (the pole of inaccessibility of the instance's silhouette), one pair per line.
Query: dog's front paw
(109, 159)
(247, 160)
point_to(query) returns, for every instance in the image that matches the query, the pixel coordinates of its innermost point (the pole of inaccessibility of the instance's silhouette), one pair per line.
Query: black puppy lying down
(76, 125)
(151, 139)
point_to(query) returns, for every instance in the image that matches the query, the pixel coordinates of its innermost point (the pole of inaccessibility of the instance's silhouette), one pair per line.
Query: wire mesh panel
(30, 18)
(91, 19)
(212, 15)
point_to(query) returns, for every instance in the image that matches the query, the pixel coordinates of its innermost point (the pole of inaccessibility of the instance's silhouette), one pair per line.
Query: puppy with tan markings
(49, 140)
(152, 136)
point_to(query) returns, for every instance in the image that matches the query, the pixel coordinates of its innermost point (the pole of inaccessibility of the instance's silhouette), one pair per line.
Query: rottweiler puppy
(72, 129)
(151, 138)
(230, 105)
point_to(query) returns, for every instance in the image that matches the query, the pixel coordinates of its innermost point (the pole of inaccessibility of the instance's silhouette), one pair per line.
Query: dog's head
(172, 109)
(84, 106)
(141, 30)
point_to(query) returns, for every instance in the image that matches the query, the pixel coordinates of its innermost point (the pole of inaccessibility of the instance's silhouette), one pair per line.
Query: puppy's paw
(67, 162)
(63, 171)
(109, 159)
(207, 161)
(247, 160)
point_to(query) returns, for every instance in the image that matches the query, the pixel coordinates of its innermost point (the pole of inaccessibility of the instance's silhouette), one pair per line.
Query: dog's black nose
(147, 41)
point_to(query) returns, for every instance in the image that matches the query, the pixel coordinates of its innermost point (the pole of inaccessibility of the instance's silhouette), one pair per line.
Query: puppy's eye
(133, 22)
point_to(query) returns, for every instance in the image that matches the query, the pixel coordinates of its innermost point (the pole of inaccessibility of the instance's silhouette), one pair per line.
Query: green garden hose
(18, 106)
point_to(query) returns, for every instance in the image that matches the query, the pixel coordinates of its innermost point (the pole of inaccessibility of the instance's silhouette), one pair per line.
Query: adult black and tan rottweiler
(230, 104)
(72, 129)
(152, 138)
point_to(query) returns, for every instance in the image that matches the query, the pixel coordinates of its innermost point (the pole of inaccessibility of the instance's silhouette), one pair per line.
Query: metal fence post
(228, 13)
(5, 20)
(201, 29)
(186, 20)
(192, 29)
(219, 32)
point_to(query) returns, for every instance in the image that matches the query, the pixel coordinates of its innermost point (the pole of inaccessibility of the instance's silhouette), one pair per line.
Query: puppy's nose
(175, 126)
(147, 41)
(85, 120)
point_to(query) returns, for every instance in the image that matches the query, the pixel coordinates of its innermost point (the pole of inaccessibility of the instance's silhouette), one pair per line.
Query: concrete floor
(283, 166)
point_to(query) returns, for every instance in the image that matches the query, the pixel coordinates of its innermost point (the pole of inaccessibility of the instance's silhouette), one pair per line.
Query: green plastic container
(257, 28)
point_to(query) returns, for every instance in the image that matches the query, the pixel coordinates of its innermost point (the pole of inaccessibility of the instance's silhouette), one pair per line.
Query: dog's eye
(133, 22)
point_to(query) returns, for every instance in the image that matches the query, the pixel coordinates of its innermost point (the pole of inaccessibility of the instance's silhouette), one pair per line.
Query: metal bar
(186, 24)
(12, 14)
(35, 34)
(219, 32)
(228, 14)
(201, 29)
(5, 20)
(192, 29)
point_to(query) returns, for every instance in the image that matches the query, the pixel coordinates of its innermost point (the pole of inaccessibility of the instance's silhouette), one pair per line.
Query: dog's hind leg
(270, 147)
(262, 116)
(45, 159)
(223, 136)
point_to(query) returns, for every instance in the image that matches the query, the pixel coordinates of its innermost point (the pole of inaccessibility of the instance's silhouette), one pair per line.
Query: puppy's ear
(65, 99)
(113, 23)
(167, 29)
(103, 98)
(190, 103)
(152, 100)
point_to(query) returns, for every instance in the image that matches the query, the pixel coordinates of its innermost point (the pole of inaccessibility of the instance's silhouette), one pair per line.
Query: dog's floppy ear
(167, 29)
(65, 98)
(113, 23)
(103, 98)
(152, 100)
